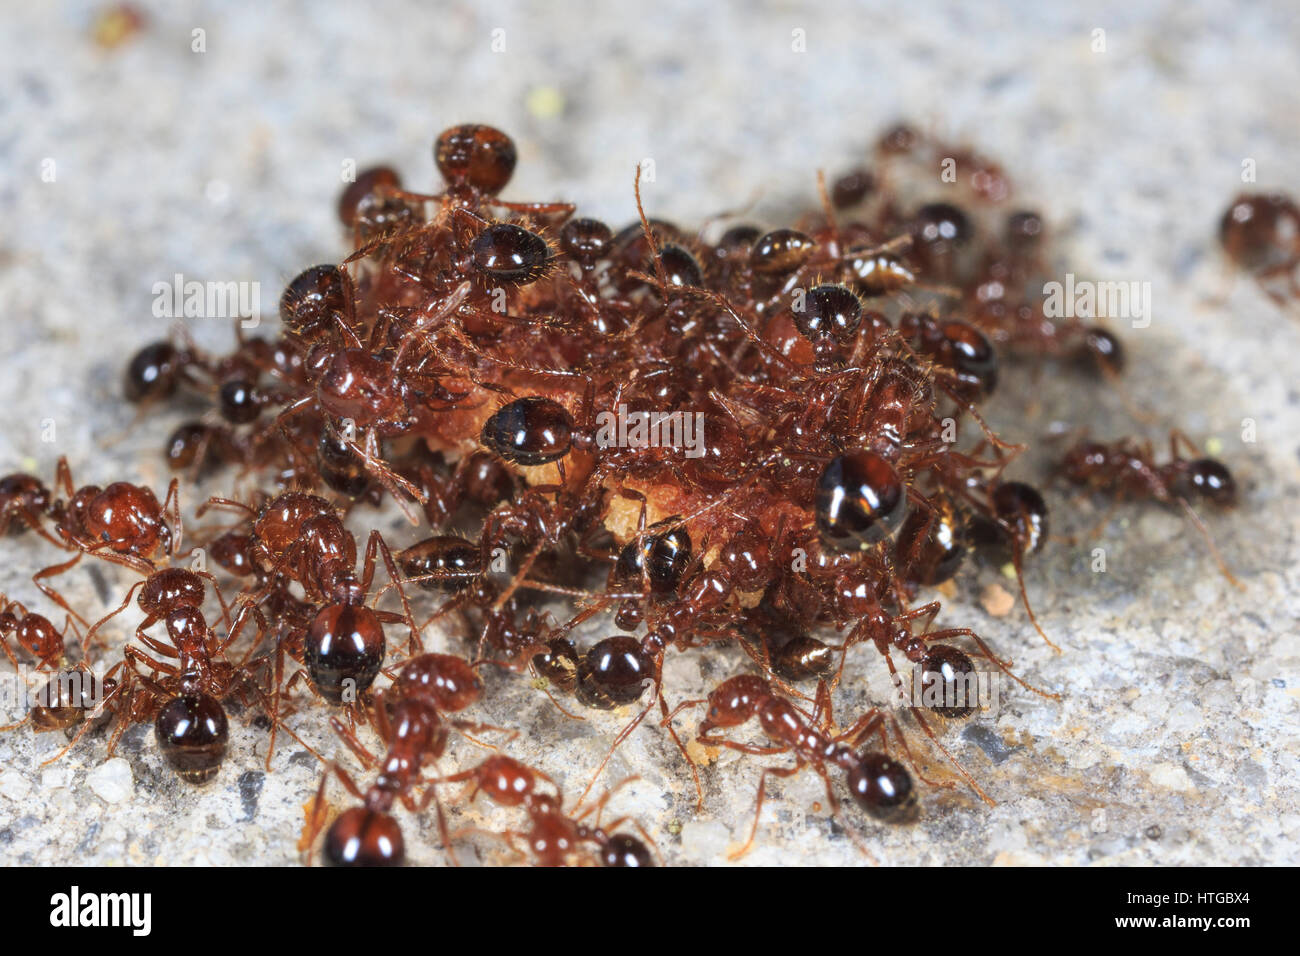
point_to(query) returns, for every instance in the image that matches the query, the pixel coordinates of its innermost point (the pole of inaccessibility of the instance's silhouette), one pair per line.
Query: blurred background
(209, 139)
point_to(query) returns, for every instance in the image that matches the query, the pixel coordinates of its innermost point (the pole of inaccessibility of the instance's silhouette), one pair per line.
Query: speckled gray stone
(1175, 739)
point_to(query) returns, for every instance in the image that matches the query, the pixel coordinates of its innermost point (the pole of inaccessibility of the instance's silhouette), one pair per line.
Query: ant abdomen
(510, 254)
(883, 788)
(444, 562)
(948, 681)
(780, 252)
(803, 658)
(662, 557)
(68, 698)
(344, 651)
(613, 673)
(151, 374)
(341, 468)
(192, 734)
(831, 311)
(624, 850)
(311, 302)
(362, 837)
(1207, 478)
(529, 431)
(1023, 513)
(932, 545)
(861, 500)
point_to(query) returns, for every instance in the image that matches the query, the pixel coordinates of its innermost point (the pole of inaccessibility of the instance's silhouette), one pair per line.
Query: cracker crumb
(997, 600)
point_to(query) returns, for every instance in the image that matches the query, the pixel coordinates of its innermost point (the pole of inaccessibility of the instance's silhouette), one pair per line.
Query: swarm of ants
(462, 363)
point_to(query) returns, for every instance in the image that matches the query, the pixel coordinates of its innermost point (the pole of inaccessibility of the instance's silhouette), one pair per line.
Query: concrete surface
(1175, 741)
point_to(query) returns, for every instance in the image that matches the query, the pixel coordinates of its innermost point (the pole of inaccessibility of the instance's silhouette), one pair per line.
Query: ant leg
(89, 640)
(316, 820)
(63, 477)
(920, 719)
(1209, 541)
(53, 595)
(535, 208)
(391, 480)
(349, 738)
(1004, 666)
(622, 736)
(227, 504)
(375, 543)
(177, 528)
(758, 805)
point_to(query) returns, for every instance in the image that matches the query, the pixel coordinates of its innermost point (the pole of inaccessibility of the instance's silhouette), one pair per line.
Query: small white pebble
(705, 838)
(1168, 775)
(14, 786)
(112, 780)
(55, 778)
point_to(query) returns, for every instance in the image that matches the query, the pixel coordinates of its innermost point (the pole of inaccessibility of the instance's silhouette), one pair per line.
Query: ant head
(734, 701)
(479, 157)
(586, 241)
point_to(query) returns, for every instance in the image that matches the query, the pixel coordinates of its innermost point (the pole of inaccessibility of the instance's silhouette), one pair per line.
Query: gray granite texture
(1175, 739)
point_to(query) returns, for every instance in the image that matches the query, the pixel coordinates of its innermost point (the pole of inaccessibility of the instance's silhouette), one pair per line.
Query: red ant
(300, 537)
(415, 732)
(880, 785)
(1128, 468)
(554, 838)
(1261, 234)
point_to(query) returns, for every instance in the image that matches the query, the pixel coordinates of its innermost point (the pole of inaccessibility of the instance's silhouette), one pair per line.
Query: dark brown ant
(427, 688)
(1261, 234)
(882, 787)
(554, 838)
(1128, 469)
(301, 537)
(182, 699)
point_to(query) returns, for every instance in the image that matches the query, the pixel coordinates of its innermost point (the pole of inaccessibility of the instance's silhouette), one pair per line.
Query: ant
(1261, 234)
(183, 699)
(413, 728)
(122, 523)
(300, 537)
(881, 786)
(1128, 468)
(553, 837)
